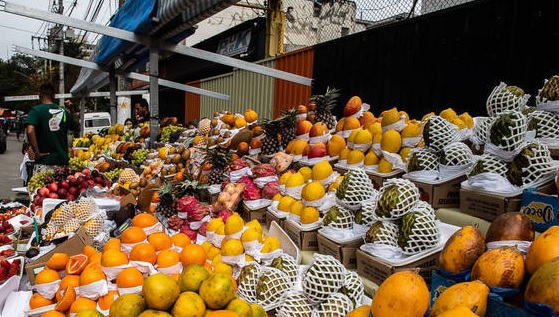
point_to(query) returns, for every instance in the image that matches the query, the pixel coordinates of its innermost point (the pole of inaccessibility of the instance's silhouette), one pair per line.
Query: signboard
(235, 44)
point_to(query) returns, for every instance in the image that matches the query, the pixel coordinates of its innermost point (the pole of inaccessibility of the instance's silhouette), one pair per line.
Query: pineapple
(166, 203)
(288, 126)
(324, 106)
(271, 143)
(219, 162)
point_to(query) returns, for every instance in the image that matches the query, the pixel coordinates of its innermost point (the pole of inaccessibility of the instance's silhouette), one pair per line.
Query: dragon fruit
(251, 192)
(238, 164)
(198, 213)
(263, 170)
(224, 214)
(245, 180)
(175, 223)
(270, 190)
(189, 232)
(187, 204)
(202, 229)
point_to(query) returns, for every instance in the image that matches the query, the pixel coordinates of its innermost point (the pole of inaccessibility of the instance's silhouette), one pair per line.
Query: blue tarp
(135, 16)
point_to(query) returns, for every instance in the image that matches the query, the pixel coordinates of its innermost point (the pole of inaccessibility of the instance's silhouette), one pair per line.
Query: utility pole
(275, 28)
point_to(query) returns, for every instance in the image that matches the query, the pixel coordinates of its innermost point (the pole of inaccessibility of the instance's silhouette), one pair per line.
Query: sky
(19, 30)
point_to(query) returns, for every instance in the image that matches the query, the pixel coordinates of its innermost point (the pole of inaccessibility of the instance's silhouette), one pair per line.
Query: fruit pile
(9, 268)
(69, 216)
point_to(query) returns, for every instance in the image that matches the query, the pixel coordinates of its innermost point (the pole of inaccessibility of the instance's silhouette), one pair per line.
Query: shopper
(47, 128)
(129, 124)
(142, 111)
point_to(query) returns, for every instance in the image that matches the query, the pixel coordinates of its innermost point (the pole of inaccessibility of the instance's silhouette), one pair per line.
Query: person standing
(47, 128)
(141, 109)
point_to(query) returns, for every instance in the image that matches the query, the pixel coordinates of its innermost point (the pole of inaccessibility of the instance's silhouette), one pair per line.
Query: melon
(510, 226)
(501, 267)
(543, 286)
(543, 249)
(472, 295)
(462, 250)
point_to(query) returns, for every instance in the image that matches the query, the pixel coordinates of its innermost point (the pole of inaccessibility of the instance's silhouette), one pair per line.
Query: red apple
(62, 192)
(303, 126)
(73, 182)
(70, 197)
(43, 192)
(38, 200)
(318, 129)
(64, 184)
(317, 150)
(53, 187)
(73, 190)
(86, 171)
(53, 195)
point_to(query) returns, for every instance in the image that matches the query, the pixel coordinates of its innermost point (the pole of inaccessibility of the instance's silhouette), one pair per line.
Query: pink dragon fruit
(187, 204)
(251, 192)
(189, 232)
(270, 190)
(238, 164)
(198, 213)
(224, 214)
(175, 223)
(263, 170)
(202, 229)
(245, 180)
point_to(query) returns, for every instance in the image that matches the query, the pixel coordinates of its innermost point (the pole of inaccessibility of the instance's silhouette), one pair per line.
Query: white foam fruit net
(534, 163)
(247, 282)
(339, 217)
(93, 226)
(396, 198)
(418, 229)
(508, 131)
(545, 123)
(353, 287)
(337, 305)
(502, 99)
(438, 133)
(355, 188)
(366, 215)
(456, 154)
(324, 276)
(549, 94)
(383, 232)
(61, 215)
(84, 208)
(480, 130)
(488, 163)
(288, 265)
(423, 159)
(272, 287)
(295, 305)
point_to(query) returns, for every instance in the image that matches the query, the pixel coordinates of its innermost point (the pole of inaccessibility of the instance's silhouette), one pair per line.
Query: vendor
(141, 109)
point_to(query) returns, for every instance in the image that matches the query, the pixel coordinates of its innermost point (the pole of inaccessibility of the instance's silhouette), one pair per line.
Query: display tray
(338, 240)
(21, 265)
(253, 205)
(309, 227)
(445, 231)
(311, 162)
(274, 211)
(438, 181)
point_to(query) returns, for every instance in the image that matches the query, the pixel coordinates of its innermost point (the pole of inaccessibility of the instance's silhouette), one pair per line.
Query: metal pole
(82, 114)
(112, 91)
(61, 71)
(153, 92)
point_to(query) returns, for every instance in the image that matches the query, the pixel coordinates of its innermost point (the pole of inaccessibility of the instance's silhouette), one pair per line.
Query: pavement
(9, 167)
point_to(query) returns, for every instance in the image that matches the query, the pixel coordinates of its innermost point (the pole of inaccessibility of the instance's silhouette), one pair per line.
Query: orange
(58, 261)
(90, 251)
(160, 240)
(129, 277)
(47, 276)
(67, 299)
(96, 258)
(76, 264)
(37, 301)
(82, 303)
(91, 273)
(180, 240)
(53, 313)
(133, 235)
(208, 267)
(193, 254)
(113, 258)
(106, 301)
(143, 252)
(68, 280)
(113, 243)
(144, 220)
(167, 258)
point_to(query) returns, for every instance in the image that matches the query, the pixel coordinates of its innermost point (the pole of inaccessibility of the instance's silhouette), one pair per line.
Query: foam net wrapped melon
(545, 123)
(505, 98)
(418, 229)
(508, 131)
(339, 217)
(248, 281)
(324, 276)
(355, 188)
(337, 305)
(295, 305)
(396, 198)
(488, 163)
(531, 165)
(383, 232)
(438, 133)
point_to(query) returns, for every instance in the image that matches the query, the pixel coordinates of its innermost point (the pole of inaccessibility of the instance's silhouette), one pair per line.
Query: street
(9, 167)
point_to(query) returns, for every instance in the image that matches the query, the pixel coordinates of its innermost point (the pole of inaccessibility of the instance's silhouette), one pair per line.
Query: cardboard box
(445, 194)
(272, 217)
(377, 271)
(541, 208)
(554, 152)
(258, 214)
(495, 308)
(345, 253)
(71, 247)
(305, 240)
(379, 178)
(488, 206)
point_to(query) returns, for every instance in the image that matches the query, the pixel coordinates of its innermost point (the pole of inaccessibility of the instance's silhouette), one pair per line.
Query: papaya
(510, 226)
(472, 295)
(402, 294)
(462, 250)
(543, 249)
(500, 267)
(460, 311)
(223, 313)
(543, 286)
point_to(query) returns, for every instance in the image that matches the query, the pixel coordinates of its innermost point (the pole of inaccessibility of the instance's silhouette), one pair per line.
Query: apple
(99, 180)
(86, 171)
(53, 187)
(303, 127)
(318, 129)
(38, 200)
(70, 197)
(43, 192)
(317, 150)
(73, 182)
(73, 190)
(53, 195)
(62, 192)
(64, 184)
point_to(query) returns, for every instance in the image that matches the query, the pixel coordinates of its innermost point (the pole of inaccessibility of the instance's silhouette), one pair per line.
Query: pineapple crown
(189, 187)
(272, 126)
(166, 188)
(218, 158)
(327, 101)
(289, 117)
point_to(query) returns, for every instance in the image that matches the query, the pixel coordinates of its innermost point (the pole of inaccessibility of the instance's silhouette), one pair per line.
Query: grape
(113, 174)
(38, 181)
(139, 155)
(76, 164)
(166, 132)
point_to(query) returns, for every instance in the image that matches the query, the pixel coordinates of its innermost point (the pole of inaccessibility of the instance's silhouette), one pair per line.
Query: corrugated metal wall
(247, 90)
(192, 104)
(287, 94)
